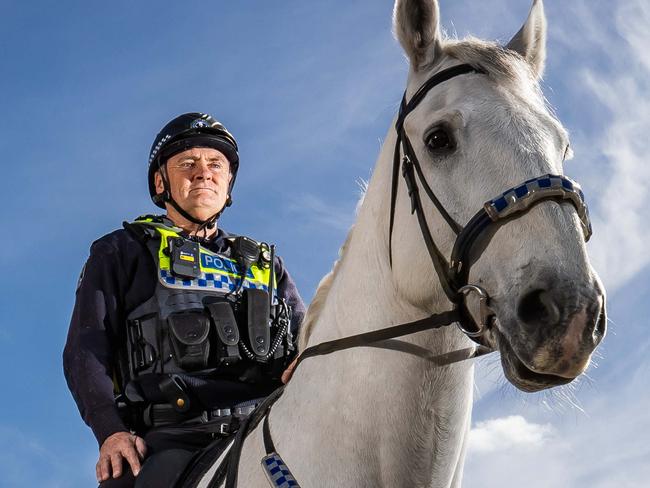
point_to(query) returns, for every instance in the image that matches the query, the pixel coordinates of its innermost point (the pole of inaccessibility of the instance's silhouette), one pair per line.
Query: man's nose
(203, 172)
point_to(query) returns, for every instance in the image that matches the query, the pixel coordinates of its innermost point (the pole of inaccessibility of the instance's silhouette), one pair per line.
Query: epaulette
(140, 231)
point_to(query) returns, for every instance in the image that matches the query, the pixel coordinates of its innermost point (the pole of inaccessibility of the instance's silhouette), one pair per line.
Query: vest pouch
(227, 331)
(256, 304)
(189, 334)
(141, 350)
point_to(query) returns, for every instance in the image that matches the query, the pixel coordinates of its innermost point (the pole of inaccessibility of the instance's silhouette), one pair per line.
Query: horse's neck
(362, 296)
(376, 414)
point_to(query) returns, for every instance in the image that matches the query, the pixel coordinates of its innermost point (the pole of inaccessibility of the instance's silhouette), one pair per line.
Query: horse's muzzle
(553, 335)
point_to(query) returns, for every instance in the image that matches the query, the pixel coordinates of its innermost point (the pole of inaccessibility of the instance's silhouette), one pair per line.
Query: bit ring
(486, 314)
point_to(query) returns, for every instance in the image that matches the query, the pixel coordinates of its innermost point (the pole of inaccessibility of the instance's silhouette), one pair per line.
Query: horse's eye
(440, 140)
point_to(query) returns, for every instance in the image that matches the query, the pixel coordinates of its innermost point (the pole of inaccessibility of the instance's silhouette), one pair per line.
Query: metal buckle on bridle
(485, 312)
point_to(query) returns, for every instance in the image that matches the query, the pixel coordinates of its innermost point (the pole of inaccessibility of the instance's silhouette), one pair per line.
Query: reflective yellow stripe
(210, 263)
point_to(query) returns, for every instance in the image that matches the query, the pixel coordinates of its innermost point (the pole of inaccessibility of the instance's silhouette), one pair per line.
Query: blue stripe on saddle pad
(277, 472)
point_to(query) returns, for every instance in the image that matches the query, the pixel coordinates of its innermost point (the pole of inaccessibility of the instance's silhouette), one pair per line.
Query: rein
(373, 339)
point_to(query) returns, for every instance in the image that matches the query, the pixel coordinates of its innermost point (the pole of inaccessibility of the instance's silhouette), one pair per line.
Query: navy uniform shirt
(120, 274)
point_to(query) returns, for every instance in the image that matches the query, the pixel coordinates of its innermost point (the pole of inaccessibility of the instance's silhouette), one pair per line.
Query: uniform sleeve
(287, 289)
(88, 351)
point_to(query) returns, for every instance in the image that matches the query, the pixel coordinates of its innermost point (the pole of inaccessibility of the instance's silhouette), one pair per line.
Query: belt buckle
(244, 411)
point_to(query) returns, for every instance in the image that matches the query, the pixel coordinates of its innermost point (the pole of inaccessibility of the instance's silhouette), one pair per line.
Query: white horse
(371, 417)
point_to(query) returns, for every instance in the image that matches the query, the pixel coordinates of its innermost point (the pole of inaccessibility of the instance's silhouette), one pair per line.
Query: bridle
(453, 274)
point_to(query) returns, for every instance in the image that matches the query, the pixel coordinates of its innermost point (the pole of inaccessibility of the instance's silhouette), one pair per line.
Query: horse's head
(476, 136)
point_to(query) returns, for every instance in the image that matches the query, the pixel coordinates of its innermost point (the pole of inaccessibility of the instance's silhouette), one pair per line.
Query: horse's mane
(495, 58)
(504, 65)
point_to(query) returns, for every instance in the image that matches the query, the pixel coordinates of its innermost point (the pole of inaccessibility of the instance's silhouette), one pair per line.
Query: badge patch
(198, 123)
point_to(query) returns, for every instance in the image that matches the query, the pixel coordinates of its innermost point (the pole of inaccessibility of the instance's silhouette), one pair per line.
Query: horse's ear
(416, 24)
(530, 41)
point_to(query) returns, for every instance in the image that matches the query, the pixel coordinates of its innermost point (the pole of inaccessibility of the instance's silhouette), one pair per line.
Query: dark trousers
(169, 450)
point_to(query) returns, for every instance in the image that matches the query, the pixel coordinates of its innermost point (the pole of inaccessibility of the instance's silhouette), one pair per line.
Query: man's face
(199, 179)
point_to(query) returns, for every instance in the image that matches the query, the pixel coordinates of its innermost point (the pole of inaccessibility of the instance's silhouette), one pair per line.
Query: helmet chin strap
(166, 197)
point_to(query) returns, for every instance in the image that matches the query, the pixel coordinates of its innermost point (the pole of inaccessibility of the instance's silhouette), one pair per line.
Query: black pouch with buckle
(189, 333)
(227, 331)
(141, 337)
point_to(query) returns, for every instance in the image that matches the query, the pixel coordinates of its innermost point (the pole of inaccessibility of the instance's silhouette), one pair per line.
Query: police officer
(179, 328)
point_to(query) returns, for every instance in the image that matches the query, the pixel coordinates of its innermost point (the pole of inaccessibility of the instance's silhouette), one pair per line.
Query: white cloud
(625, 198)
(602, 443)
(508, 433)
(603, 447)
(632, 19)
(618, 78)
(319, 212)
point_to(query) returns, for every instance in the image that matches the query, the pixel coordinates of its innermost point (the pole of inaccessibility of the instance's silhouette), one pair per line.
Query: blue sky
(309, 90)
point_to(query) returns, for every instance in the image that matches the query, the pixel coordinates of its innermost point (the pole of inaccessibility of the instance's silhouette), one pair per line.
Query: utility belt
(223, 421)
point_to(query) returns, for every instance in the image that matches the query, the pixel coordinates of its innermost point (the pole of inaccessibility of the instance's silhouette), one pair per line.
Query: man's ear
(158, 182)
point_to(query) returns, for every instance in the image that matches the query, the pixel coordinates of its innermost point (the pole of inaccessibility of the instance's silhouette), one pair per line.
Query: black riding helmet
(185, 132)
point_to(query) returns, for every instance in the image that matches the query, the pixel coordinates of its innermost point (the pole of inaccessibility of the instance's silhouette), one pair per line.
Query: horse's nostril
(538, 308)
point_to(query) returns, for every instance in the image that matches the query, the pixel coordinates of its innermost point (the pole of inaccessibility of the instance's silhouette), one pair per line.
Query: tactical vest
(210, 316)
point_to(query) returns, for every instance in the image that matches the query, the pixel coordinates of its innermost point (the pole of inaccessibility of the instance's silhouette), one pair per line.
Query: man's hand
(119, 446)
(286, 376)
